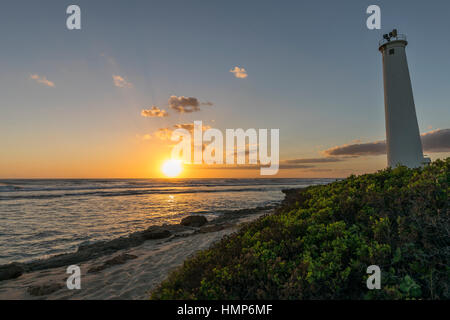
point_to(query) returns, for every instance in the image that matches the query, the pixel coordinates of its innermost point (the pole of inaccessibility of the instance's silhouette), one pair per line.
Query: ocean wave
(9, 187)
(83, 184)
(134, 192)
(120, 193)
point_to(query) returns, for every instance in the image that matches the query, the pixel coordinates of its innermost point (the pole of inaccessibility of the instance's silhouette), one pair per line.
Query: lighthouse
(404, 146)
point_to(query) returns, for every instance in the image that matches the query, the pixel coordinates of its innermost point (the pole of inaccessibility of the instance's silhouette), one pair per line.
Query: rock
(91, 250)
(11, 271)
(155, 232)
(120, 259)
(44, 289)
(194, 221)
(87, 244)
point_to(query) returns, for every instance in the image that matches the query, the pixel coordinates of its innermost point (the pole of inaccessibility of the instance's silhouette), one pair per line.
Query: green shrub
(319, 244)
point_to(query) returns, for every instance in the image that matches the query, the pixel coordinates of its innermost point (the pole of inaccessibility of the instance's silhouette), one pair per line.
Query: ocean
(42, 218)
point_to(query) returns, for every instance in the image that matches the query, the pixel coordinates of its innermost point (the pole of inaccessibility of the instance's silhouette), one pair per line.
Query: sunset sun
(172, 168)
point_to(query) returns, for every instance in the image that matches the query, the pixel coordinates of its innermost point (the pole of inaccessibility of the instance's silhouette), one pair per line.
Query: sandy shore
(142, 267)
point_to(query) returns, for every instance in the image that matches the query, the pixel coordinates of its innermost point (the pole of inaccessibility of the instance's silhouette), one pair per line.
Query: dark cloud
(312, 160)
(186, 104)
(294, 166)
(436, 141)
(358, 149)
(321, 170)
(254, 166)
(433, 141)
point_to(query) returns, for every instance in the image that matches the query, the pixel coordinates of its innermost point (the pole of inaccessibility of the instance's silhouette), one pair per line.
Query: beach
(125, 235)
(127, 273)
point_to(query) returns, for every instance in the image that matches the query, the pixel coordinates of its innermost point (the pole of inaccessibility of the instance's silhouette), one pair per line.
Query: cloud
(154, 112)
(294, 166)
(166, 133)
(358, 149)
(322, 169)
(120, 82)
(434, 141)
(312, 160)
(163, 133)
(239, 73)
(42, 80)
(190, 127)
(186, 104)
(179, 104)
(249, 166)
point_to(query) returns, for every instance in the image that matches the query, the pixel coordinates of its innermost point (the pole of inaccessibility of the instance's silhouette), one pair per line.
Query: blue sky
(314, 71)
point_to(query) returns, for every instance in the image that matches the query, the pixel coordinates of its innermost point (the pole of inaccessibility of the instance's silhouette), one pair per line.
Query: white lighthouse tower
(402, 131)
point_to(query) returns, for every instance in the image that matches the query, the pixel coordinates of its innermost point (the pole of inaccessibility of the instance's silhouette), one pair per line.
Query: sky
(96, 102)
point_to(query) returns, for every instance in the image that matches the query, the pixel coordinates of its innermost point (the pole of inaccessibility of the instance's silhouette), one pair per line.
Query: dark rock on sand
(120, 259)
(194, 221)
(44, 289)
(155, 233)
(11, 271)
(94, 250)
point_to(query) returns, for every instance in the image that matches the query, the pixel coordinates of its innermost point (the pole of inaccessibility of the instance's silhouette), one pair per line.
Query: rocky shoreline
(194, 224)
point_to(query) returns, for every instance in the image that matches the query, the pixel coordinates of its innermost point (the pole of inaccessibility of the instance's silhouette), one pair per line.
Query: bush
(320, 242)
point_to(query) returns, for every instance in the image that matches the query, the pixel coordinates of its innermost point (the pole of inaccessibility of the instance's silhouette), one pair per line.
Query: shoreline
(123, 268)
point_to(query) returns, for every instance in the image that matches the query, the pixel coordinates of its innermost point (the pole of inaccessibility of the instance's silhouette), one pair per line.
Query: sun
(172, 168)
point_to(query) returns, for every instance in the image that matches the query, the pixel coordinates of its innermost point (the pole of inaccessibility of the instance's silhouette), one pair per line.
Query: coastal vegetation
(320, 241)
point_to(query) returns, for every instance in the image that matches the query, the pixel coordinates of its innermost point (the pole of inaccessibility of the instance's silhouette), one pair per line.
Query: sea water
(42, 218)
